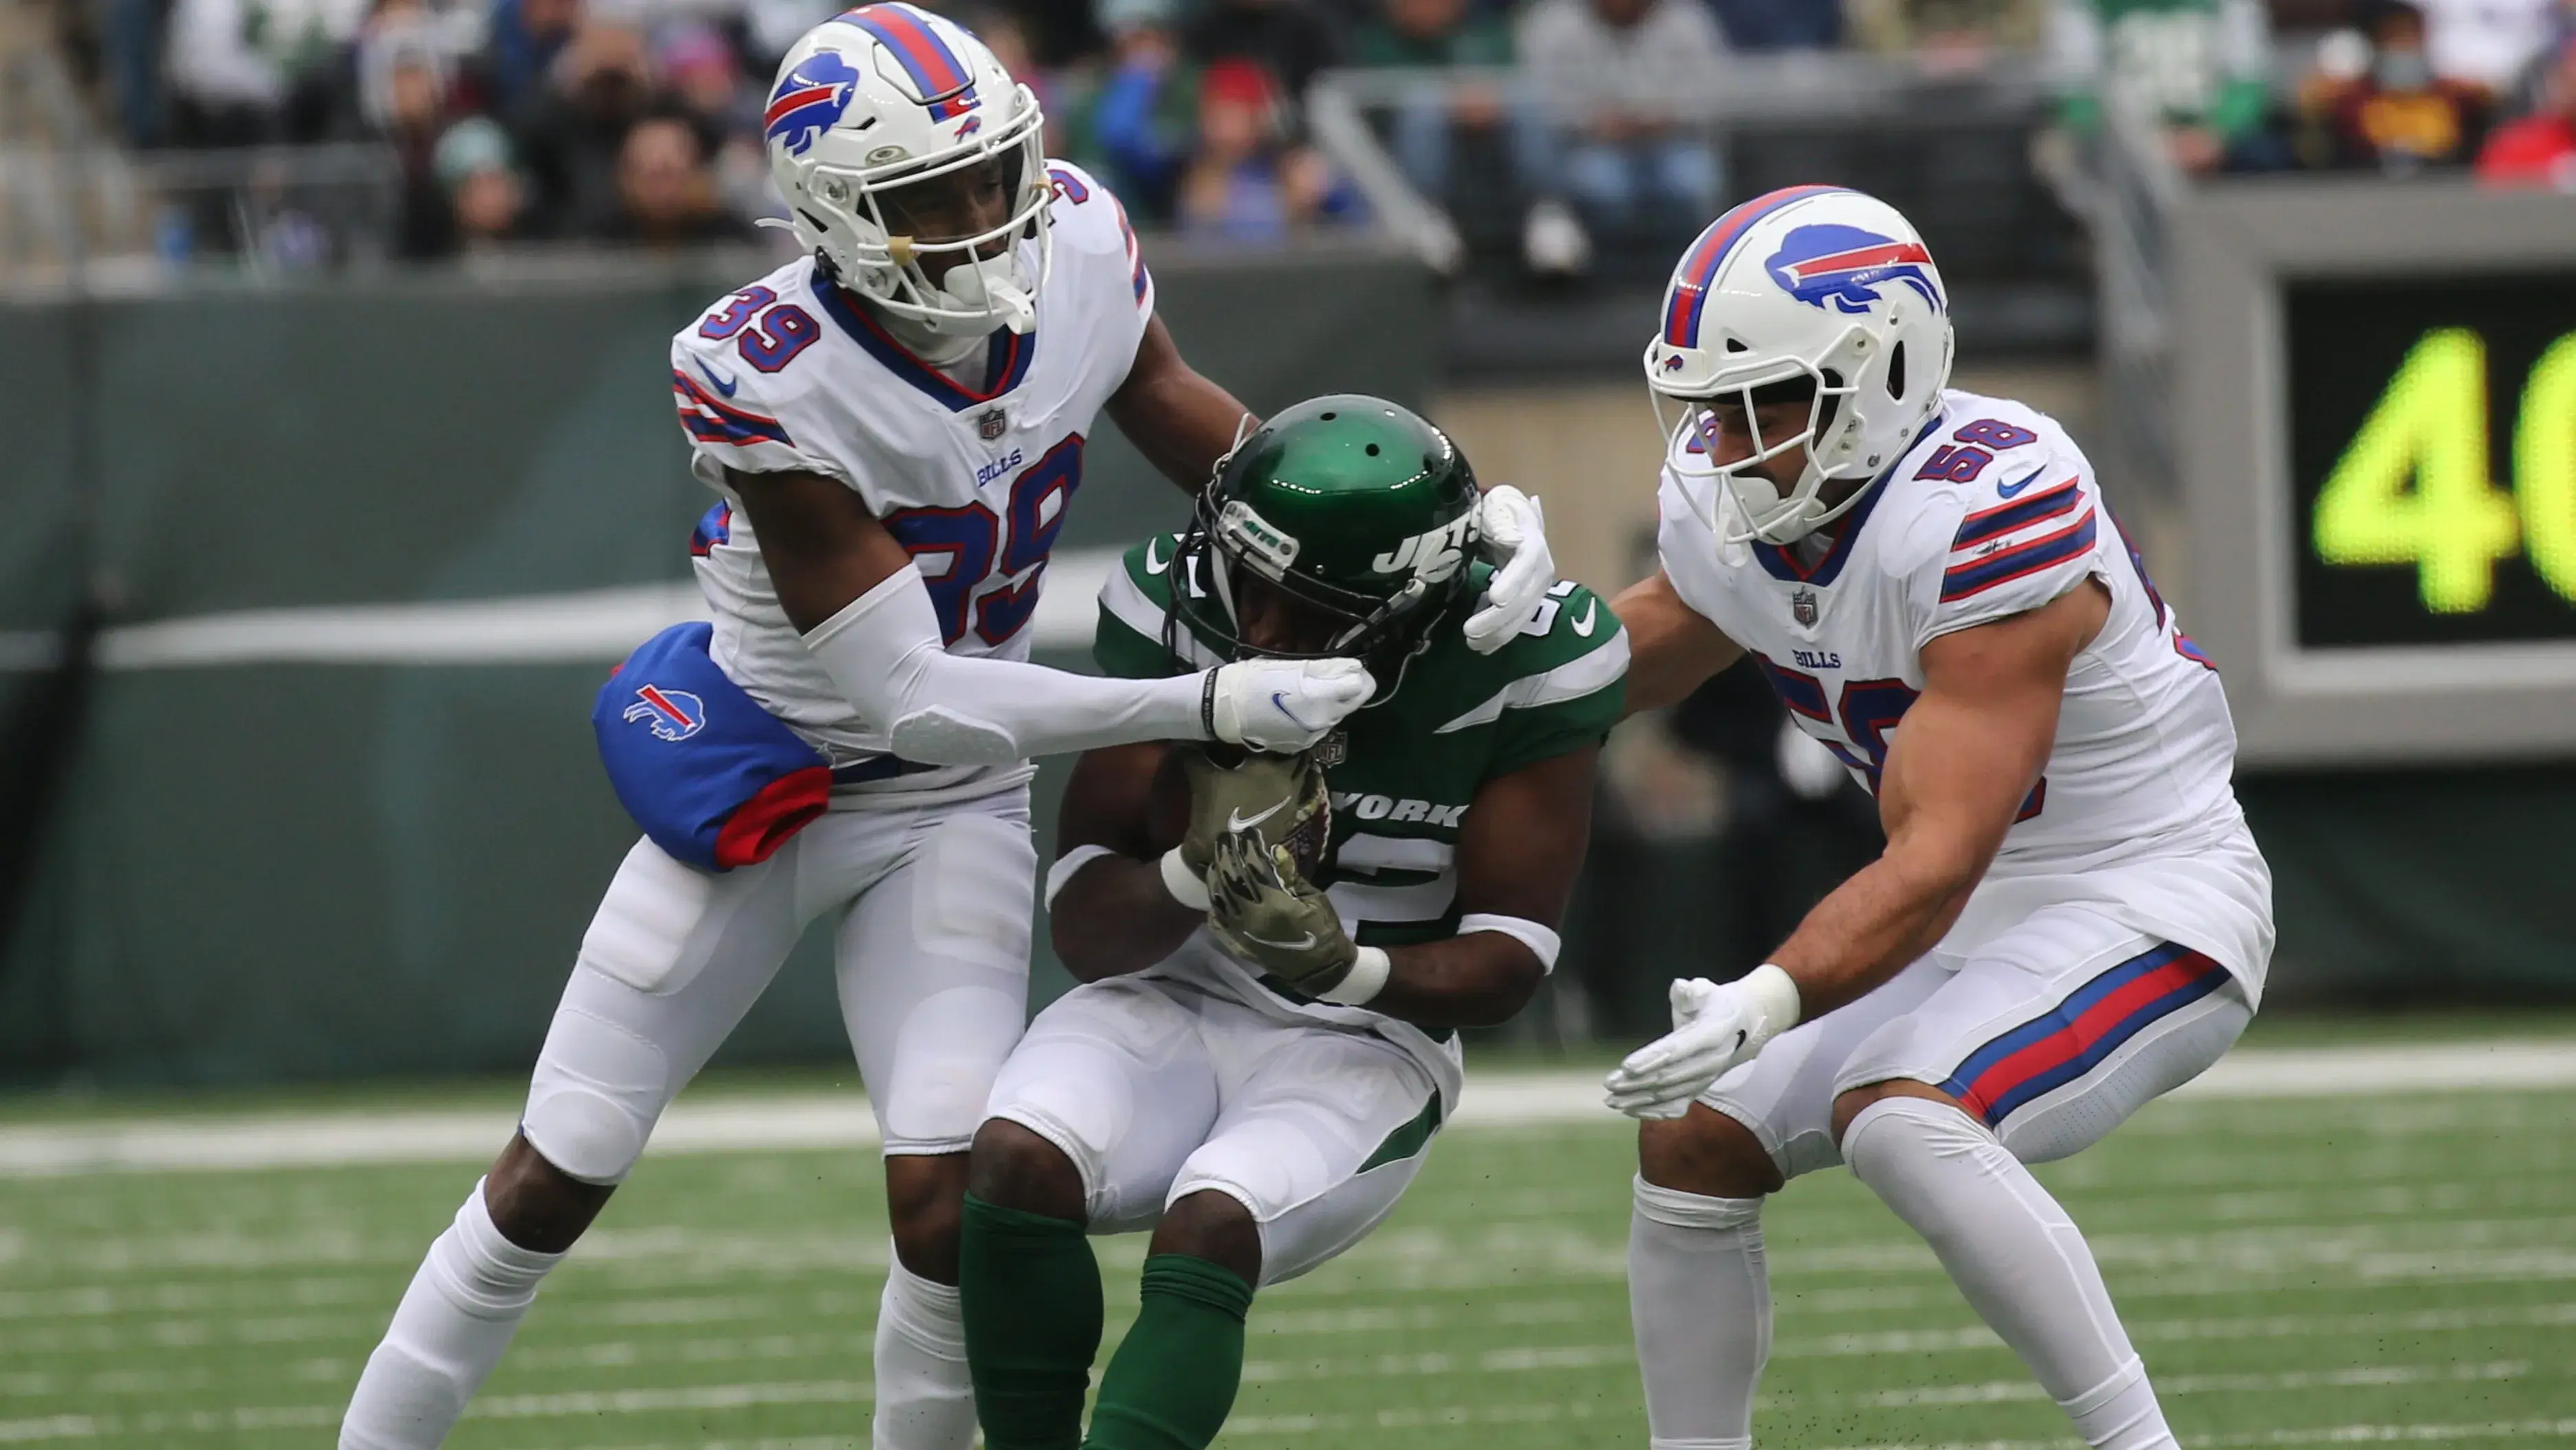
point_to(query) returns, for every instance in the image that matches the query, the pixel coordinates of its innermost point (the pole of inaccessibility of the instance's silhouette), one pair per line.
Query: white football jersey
(792, 373)
(1993, 512)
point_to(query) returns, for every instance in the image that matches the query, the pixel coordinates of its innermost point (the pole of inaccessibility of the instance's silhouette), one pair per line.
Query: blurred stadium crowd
(638, 121)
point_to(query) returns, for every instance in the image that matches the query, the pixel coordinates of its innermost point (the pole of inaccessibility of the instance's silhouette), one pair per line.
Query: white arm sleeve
(884, 651)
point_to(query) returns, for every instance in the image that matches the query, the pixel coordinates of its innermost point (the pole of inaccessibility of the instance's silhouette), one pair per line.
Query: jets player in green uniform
(1276, 952)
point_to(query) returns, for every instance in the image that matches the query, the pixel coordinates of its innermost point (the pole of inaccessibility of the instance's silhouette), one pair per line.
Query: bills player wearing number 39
(2070, 916)
(896, 423)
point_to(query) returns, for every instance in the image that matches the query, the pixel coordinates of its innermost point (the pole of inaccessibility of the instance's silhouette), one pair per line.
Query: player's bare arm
(1673, 649)
(823, 548)
(1182, 422)
(1517, 857)
(1957, 772)
(1114, 914)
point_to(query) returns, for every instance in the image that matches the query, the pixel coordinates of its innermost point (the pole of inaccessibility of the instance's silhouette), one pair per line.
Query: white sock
(2018, 1258)
(453, 1322)
(925, 1398)
(1700, 1298)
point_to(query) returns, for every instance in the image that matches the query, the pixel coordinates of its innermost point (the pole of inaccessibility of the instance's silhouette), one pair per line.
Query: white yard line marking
(2311, 1435)
(2357, 1377)
(1465, 1416)
(588, 626)
(585, 1403)
(805, 1119)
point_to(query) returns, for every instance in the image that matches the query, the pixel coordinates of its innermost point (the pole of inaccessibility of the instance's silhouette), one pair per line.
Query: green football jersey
(1404, 770)
(2202, 62)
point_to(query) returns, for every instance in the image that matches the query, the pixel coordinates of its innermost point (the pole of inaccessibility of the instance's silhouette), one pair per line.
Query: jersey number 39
(970, 555)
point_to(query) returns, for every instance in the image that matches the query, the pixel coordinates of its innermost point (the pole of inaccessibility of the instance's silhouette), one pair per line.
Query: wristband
(1772, 990)
(1188, 887)
(1543, 943)
(1207, 708)
(1366, 978)
(1067, 865)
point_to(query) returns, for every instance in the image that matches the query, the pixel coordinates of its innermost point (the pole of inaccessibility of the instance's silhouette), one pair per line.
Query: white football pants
(1159, 1088)
(932, 955)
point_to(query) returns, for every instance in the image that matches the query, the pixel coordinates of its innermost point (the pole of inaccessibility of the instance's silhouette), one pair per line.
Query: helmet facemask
(1228, 543)
(1763, 509)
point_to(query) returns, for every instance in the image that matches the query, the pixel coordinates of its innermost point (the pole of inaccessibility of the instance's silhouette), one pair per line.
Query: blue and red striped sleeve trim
(2020, 561)
(2003, 519)
(710, 419)
(2049, 1052)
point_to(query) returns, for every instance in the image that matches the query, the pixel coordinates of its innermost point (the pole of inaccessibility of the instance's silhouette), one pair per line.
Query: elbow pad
(880, 649)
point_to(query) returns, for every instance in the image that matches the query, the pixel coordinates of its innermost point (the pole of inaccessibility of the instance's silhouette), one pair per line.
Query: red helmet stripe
(924, 56)
(1861, 258)
(1698, 271)
(793, 100)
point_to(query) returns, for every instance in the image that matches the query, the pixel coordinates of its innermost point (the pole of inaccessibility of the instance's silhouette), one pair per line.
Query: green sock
(1030, 1294)
(1173, 1380)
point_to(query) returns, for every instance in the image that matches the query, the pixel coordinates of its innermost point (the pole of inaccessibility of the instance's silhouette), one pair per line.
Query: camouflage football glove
(1280, 796)
(1266, 912)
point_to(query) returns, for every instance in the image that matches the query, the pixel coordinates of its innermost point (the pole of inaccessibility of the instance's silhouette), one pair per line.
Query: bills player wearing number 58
(896, 423)
(2070, 917)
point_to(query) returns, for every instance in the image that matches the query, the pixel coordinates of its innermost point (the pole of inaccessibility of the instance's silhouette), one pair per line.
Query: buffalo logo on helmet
(1843, 267)
(671, 714)
(809, 100)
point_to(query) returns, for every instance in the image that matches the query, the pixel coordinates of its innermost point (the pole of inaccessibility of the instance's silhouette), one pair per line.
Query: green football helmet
(1357, 509)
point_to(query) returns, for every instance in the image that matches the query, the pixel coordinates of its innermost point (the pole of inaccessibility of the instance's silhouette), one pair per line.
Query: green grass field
(2297, 1272)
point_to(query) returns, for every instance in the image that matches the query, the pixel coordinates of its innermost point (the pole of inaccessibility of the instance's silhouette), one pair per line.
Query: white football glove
(1513, 535)
(1283, 706)
(1715, 1027)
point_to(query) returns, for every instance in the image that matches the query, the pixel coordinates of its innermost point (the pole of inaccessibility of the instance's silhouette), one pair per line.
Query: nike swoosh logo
(722, 386)
(1583, 626)
(1235, 822)
(1152, 564)
(1299, 945)
(2007, 490)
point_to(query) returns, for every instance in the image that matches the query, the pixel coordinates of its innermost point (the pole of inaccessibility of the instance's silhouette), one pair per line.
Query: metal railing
(1744, 99)
(2128, 198)
(43, 135)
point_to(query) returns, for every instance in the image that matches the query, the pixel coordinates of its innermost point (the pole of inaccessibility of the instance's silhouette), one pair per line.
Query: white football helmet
(888, 96)
(1810, 282)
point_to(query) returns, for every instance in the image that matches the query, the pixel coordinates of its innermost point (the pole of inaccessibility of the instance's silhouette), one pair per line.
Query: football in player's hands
(1203, 794)
(1309, 835)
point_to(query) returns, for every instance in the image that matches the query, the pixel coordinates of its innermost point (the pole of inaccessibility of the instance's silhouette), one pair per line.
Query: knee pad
(1883, 1133)
(596, 1094)
(947, 1053)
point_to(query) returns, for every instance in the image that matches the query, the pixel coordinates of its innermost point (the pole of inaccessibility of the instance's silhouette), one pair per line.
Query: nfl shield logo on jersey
(673, 714)
(1802, 606)
(1333, 749)
(991, 424)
